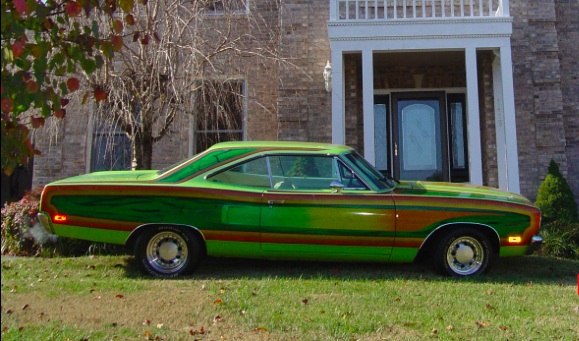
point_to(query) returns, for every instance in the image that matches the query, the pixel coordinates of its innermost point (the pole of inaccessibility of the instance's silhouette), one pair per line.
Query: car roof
(284, 145)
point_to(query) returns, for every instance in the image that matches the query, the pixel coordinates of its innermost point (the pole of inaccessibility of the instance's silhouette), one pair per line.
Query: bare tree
(182, 57)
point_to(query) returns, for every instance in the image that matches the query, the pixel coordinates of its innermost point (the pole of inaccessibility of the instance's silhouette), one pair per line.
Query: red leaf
(31, 87)
(21, 6)
(72, 8)
(37, 122)
(118, 26)
(60, 113)
(145, 40)
(64, 102)
(48, 24)
(117, 42)
(119, 296)
(99, 94)
(130, 19)
(72, 84)
(7, 105)
(18, 49)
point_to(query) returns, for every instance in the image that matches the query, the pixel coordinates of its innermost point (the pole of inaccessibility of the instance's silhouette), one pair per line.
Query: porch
(401, 32)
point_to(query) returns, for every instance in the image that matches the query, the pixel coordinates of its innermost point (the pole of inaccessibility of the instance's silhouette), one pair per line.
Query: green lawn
(105, 298)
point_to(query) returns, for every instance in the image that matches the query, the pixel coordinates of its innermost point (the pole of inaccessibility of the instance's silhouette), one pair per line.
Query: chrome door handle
(273, 202)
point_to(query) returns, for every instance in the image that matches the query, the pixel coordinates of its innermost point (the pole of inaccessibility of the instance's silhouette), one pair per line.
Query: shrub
(17, 220)
(555, 198)
(23, 235)
(560, 239)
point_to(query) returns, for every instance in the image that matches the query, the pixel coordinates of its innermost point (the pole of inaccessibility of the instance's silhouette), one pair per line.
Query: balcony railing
(343, 10)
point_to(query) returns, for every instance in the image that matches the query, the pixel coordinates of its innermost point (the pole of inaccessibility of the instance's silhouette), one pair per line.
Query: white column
(510, 126)
(500, 121)
(368, 109)
(472, 119)
(338, 117)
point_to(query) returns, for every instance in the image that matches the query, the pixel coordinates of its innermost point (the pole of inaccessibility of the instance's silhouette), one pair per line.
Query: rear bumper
(45, 221)
(535, 244)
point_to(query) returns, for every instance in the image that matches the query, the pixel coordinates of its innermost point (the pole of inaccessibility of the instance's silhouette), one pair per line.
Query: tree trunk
(142, 151)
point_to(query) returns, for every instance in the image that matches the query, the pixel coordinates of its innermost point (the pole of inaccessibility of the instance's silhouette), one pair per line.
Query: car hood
(109, 176)
(454, 190)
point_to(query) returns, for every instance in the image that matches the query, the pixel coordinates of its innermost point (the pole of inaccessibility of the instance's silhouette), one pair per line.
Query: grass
(105, 298)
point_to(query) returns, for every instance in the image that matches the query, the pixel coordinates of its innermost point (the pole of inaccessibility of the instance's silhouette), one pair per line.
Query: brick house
(479, 91)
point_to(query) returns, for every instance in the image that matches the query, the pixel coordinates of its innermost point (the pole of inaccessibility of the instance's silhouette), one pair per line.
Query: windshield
(377, 178)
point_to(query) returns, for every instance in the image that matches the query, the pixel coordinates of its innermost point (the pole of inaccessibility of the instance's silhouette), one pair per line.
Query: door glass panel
(380, 137)
(457, 131)
(420, 142)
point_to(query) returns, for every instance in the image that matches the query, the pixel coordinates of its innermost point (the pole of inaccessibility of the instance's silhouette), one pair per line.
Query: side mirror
(337, 186)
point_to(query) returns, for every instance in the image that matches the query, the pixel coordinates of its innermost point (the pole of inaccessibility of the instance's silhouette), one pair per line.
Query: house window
(111, 148)
(219, 114)
(227, 6)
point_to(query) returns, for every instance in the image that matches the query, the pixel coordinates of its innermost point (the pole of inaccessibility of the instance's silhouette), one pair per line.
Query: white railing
(416, 9)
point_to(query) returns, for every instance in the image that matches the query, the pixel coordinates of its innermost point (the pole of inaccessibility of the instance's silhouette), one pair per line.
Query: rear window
(205, 162)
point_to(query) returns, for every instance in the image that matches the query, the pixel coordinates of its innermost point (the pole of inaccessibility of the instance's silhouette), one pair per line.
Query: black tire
(168, 251)
(463, 252)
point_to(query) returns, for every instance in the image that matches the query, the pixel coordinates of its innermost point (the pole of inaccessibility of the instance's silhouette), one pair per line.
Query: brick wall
(543, 126)
(304, 112)
(567, 25)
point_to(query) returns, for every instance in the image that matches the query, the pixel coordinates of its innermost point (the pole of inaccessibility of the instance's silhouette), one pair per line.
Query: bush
(17, 220)
(555, 198)
(23, 235)
(560, 239)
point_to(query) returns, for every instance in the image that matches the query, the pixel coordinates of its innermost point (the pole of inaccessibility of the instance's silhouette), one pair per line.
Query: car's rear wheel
(464, 252)
(168, 251)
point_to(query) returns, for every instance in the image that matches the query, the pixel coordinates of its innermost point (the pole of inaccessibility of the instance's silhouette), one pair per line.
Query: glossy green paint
(96, 235)
(241, 221)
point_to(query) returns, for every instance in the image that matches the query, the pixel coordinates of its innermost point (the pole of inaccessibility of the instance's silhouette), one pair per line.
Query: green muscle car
(289, 200)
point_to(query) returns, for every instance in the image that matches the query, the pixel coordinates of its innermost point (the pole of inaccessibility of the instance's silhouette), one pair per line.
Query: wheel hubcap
(167, 252)
(465, 255)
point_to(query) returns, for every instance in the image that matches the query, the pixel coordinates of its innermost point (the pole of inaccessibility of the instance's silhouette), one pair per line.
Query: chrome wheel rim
(465, 255)
(167, 252)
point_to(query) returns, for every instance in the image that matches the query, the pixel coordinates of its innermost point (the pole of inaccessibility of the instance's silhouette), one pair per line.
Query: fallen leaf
(119, 296)
(201, 331)
(489, 307)
(450, 327)
(242, 312)
(530, 284)
(217, 319)
(305, 301)
(260, 329)
(159, 325)
(503, 328)
(434, 331)
(26, 306)
(480, 324)
(96, 298)
(218, 301)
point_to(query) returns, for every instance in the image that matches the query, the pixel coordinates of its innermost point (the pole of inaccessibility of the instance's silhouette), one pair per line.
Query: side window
(251, 174)
(349, 178)
(303, 171)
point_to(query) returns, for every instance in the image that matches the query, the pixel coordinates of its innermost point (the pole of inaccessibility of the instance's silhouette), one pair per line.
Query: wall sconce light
(328, 76)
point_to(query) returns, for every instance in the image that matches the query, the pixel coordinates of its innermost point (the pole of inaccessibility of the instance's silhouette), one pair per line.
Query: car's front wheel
(464, 252)
(168, 251)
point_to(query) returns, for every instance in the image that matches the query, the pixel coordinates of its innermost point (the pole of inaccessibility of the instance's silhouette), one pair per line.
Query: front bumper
(535, 244)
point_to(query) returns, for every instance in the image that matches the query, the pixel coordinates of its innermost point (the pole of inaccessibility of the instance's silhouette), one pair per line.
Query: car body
(289, 200)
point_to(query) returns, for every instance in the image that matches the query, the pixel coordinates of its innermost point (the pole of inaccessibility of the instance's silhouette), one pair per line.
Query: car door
(302, 216)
